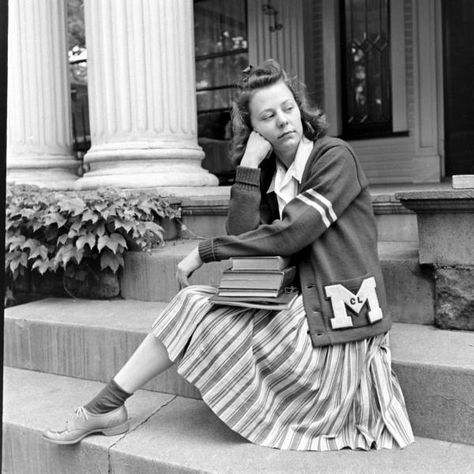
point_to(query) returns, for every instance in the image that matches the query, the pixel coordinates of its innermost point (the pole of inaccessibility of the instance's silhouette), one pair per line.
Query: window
(366, 68)
(221, 50)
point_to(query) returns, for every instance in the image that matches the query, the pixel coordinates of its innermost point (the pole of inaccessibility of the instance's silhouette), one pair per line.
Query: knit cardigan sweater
(329, 231)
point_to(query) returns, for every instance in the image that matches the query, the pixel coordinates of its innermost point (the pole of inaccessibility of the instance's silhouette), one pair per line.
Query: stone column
(142, 98)
(39, 139)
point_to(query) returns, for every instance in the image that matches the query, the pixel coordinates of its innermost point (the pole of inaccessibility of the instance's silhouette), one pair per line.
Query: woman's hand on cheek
(187, 266)
(256, 150)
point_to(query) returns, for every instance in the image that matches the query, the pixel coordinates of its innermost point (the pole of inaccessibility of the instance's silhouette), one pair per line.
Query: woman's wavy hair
(267, 74)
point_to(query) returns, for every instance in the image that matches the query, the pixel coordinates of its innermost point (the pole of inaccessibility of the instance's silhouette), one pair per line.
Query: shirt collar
(296, 168)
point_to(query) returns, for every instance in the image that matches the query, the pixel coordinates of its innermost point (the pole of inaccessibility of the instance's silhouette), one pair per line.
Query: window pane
(366, 71)
(221, 51)
(219, 26)
(220, 71)
(215, 99)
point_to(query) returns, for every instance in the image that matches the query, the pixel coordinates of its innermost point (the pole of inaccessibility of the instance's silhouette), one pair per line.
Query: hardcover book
(278, 303)
(274, 262)
(261, 280)
(252, 293)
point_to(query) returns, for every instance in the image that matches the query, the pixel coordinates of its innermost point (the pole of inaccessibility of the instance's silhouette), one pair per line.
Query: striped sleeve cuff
(247, 175)
(206, 251)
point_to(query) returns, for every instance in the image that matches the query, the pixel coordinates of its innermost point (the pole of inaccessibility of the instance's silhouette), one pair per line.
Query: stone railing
(446, 242)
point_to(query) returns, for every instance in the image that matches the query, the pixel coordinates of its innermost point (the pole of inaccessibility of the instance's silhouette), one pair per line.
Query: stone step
(171, 434)
(410, 289)
(92, 339)
(89, 339)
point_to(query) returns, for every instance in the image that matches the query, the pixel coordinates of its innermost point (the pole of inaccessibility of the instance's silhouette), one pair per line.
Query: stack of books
(257, 282)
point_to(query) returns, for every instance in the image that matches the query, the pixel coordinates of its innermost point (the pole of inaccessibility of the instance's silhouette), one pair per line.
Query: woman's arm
(244, 204)
(332, 185)
(245, 195)
(244, 213)
(187, 267)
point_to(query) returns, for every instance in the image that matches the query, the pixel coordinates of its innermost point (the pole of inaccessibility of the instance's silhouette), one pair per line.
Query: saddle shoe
(85, 423)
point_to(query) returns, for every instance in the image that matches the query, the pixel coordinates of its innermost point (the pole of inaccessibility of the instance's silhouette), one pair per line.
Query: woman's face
(275, 114)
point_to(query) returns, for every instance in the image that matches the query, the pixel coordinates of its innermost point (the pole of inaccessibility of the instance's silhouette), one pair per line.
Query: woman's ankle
(111, 397)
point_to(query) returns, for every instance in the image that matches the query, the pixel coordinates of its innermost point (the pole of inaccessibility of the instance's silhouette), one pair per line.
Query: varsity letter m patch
(341, 298)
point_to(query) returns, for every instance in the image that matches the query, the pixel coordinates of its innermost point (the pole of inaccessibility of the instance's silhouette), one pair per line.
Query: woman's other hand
(256, 150)
(187, 266)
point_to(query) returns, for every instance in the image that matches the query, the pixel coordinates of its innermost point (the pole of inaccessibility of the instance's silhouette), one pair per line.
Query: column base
(54, 174)
(145, 168)
(148, 175)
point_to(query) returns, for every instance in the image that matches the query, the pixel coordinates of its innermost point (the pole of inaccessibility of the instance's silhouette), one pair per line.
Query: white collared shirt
(285, 182)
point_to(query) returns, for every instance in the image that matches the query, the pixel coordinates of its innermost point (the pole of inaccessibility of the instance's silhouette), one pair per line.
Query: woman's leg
(150, 359)
(106, 412)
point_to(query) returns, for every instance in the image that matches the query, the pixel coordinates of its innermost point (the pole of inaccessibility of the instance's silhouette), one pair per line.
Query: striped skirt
(259, 373)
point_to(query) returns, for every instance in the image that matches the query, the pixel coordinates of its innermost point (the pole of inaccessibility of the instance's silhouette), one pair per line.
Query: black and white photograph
(239, 236)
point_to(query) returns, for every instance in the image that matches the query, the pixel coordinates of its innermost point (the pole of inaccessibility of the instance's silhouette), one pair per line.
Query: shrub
(47, 230)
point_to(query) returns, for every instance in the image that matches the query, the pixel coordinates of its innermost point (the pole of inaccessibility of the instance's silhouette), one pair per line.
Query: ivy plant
(47, 230)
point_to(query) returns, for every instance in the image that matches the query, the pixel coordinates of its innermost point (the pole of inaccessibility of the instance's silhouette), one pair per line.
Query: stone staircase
(58, 352)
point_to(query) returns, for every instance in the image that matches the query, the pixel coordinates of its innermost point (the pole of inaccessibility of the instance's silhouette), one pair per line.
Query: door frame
(439, 32)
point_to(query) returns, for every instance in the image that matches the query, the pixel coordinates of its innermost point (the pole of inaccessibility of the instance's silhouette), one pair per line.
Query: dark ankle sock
(109, 398)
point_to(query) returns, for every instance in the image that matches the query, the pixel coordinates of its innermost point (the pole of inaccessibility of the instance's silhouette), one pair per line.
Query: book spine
(261, 280)
(263, 264)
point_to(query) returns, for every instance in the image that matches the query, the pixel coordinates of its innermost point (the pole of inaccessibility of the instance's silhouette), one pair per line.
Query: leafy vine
(47, 230)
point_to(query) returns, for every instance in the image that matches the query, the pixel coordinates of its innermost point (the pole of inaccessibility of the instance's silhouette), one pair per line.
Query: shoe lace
(81, 413)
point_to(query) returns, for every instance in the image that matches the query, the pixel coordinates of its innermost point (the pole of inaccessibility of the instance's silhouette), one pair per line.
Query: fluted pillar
(142, 98)
(39, 139)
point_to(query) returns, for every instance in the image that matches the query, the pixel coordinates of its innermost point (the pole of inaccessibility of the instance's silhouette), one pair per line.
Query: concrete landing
(93, 339)
(176, 435)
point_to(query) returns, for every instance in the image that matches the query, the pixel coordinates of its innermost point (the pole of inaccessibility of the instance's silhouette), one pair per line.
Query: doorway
(458, 55)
